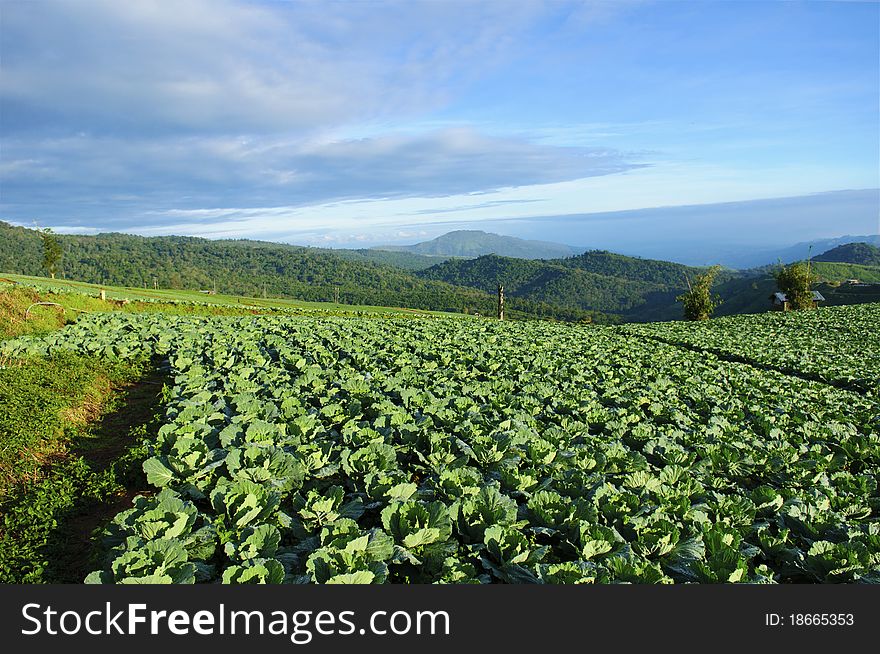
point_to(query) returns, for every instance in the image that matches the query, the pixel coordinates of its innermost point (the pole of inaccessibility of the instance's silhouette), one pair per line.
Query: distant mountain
(475, 243)
(863, 254)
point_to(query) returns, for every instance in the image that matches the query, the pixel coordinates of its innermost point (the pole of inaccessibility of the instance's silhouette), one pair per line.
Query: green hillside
(827, 271)
(863, 254)
(550, 281)
(840, 272)
(751, 294)
(252, 268)
(641, 290)
(602, 262)
(397, 259)
(637, 289)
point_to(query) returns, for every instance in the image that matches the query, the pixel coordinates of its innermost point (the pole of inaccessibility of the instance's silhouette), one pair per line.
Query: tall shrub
(698, 301)
(796, 281)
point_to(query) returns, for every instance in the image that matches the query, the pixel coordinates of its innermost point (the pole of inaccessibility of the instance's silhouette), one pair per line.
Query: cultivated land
(379, 448)
(195, 298)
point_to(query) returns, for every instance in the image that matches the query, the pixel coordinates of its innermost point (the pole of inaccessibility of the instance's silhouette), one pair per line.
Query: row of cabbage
(453, 451)
(840, 345)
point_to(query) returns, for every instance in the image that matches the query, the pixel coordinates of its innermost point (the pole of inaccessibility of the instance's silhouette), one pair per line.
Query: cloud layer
(218, 171)
(352, 121)
(200, 66)
(112, 110)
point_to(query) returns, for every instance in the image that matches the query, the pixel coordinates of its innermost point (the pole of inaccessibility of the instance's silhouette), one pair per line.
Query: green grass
(44, 402)
(193, 296)
(837, 272)
(73, 432)
(21, 314)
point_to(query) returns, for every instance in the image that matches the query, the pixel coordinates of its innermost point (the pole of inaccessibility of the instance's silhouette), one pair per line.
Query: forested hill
(602, 262)
(863, 254)
(598, 285)
(475, 243)
(243, 267)
(639, 289)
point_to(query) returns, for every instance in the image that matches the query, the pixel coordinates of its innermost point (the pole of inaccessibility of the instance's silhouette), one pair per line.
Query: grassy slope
(73, 433)
(16, 297)
(42, 401)
(860, 253)
(20, 313)
(838, 272)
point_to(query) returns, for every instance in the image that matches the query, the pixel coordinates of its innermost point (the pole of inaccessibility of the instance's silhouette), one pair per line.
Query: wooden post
(103, 295)
(500, 301)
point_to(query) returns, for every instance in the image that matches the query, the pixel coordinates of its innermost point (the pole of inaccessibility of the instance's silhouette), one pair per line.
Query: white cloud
(208, 66)
(333, 121)
(163, 172)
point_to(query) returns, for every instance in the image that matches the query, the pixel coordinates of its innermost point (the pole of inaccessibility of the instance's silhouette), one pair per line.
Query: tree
(698, 301)
(796, 282)
(51, 251)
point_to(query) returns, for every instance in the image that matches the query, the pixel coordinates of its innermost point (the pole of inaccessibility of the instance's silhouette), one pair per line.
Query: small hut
(780, 301)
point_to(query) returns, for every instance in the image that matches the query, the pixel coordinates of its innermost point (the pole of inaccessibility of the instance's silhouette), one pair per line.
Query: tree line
(250, 268)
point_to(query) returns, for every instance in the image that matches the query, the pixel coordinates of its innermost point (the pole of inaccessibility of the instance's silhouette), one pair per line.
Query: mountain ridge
(596, 284)
(475, 243)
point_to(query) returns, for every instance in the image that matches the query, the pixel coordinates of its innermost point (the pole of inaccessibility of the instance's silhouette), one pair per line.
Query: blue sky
(356, 123)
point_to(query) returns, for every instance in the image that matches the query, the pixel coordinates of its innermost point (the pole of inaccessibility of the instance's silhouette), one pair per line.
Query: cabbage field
(839, 347)
(307, 449)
